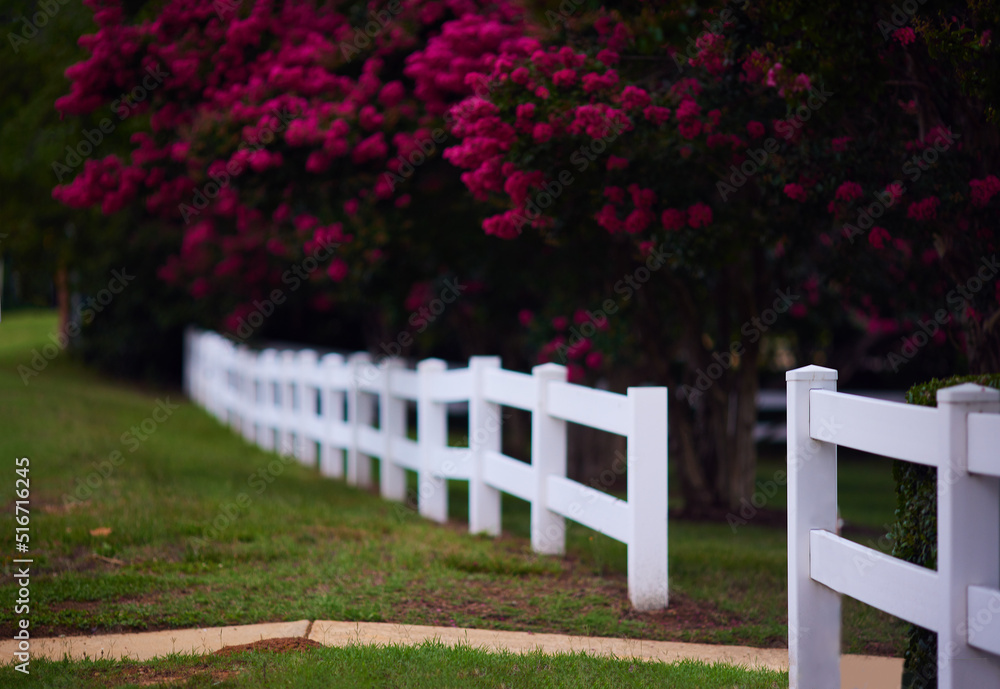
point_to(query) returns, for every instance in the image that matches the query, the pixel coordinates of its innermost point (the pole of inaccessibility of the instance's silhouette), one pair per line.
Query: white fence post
(484, 436)
(968, 539)
(432, 434)
(392, 415)
(332, 401)
(266, 364)
(548, 458)
(360, 411)
(646, 477)
(305, 376)
(286, 372)
(813, 609)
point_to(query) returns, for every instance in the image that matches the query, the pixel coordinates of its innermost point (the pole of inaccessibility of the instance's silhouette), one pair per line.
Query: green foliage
(914, 534)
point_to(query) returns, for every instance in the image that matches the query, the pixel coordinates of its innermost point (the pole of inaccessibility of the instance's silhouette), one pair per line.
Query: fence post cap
(432, 365)
(811, 373)
(549, 371)
(967, 392)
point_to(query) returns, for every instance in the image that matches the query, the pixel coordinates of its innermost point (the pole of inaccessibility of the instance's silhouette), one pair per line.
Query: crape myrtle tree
(294, 150)
(669, 186)
(791, 165)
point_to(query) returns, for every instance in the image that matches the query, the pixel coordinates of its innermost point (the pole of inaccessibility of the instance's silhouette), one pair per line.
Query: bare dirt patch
(147, 677)
(288, 644)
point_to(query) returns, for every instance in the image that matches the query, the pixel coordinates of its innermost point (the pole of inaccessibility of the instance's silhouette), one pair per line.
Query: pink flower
(839, 144)
(615, 194)
(802, 83)
(755, 129)
(699, 215)
(798, 310)
(520, 76)
(923, 210)
(638, 220)
(656, 114)
(984, 189)
(848, 191)
(795, 192)
(878, 237)
(337, 270)
(594, 360)
(673, 219)
(608, 57)
(542, 92)
(542, 132)
(773, 73)
(634, 98)
(564, 78)
(905, 36)
(617, 163)
(560, 322)
(524, 317)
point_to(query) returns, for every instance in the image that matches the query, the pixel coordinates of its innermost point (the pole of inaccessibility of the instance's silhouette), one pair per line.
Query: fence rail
(340, 413)
(960, 600)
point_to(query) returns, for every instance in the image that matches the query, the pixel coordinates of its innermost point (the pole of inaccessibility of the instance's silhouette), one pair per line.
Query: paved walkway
(859, 672)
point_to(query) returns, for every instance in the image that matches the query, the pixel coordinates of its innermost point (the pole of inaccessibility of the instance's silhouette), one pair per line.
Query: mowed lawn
(126, 541)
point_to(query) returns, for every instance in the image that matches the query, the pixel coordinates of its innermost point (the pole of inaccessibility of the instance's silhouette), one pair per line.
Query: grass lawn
(138, 552)
(427, 666)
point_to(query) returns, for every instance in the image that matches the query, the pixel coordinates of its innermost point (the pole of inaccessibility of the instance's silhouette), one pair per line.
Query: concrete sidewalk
(858, 672)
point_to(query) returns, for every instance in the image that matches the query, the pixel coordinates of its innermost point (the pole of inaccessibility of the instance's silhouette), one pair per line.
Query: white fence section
(301, 403)
(961, 599)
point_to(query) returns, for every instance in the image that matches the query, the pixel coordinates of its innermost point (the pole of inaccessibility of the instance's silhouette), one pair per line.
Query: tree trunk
(62, 296)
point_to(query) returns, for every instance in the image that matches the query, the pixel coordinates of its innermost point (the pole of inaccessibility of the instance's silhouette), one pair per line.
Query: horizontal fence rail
(960, 600)
(341, 413)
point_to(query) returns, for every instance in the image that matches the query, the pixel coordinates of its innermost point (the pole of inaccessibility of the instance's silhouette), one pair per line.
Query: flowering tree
(768, 178)
(667, 188)
(278, 130)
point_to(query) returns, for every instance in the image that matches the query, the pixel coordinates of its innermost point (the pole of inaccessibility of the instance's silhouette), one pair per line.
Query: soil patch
(286, 644)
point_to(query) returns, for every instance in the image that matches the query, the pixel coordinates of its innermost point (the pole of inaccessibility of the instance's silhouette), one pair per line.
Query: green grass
(301, 547)
(426, 666)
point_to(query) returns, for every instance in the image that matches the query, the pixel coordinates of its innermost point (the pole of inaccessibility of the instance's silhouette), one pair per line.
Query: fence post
(968, 538)
(548, 458)
(287, 375)
(360, 411)
(646, 478)
(266, 365)
(331, 457)
(484, 436)
(813, 609)
(432, 434)
(392, 416)
(307, 371)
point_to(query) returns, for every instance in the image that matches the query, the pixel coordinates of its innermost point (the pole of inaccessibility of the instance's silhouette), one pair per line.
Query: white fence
(961, 599)
(306, 404)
